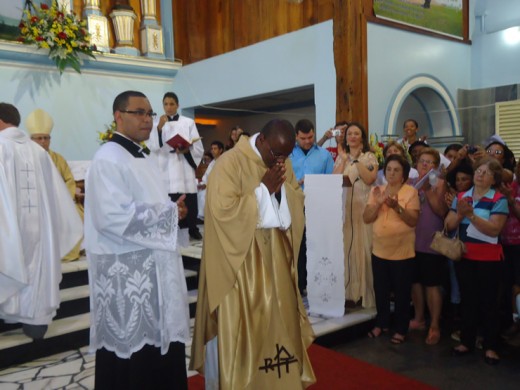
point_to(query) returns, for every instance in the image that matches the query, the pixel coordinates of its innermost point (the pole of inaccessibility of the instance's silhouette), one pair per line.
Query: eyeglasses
(480, 171)
(428, 162)
(497, 151)
(276, 156)
(41, 138)
(140, 113)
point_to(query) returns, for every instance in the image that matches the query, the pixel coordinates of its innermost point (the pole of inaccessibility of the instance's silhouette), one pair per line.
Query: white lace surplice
(138, 290)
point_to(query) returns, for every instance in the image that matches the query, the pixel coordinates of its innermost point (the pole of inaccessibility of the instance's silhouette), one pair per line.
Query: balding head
(276, 141)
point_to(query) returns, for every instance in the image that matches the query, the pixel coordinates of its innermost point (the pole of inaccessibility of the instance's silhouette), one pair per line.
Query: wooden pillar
(350, 59)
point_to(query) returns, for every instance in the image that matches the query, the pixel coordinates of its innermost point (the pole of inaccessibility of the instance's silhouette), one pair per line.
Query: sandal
(434, 336)
(397, 339)
(491, 357)
(376, 332)
(417, 325)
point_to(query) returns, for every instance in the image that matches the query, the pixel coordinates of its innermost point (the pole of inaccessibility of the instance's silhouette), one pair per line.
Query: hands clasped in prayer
(465, 207)
(275, 177)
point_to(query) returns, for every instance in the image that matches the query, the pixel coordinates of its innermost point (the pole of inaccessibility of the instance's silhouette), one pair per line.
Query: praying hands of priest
(274, 177)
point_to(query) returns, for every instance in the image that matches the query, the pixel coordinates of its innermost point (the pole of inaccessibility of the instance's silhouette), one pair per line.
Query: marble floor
(75, 369)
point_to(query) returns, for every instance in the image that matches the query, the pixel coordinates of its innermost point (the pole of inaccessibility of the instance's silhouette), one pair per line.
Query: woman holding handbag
(480, 214)
(431, 267)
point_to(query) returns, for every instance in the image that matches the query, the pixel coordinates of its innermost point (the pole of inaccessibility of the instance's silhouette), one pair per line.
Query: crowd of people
(253, 267)
(391, 216)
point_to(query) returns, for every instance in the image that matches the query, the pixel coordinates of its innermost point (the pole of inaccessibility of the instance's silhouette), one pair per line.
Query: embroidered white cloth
(325, 265)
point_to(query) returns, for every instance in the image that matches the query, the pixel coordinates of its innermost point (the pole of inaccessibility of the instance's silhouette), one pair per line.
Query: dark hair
(464, 166)
(121, 100)
(9, 114)
(415, 144)
(303, 125)
(455, 147)
(172, 96)
(219, 144)
(279, 128)
(411, 120)
(341, 123)
(402, 161)
(494, 166)
(509, 157)
(208, 154)
(364, 136)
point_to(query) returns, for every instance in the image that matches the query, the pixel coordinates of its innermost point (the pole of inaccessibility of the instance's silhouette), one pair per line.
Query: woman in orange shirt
(393, 209)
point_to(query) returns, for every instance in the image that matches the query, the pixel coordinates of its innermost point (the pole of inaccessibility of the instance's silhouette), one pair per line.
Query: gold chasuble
(63, 168)
(248, 290)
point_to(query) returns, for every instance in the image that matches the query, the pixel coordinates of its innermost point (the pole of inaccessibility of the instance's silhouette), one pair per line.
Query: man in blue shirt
(307, 158)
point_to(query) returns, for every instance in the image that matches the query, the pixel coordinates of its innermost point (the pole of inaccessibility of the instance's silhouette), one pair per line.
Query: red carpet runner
(335, 371)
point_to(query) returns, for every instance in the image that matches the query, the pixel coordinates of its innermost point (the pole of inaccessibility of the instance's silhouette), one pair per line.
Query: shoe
(417, 325)
(491, 360)
(458, 352)
(456, 336)
(196, 235)
(397, 339)
(434, 336)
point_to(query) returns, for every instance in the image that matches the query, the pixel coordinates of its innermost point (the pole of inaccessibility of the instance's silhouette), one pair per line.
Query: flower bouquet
(377, 147)
(63, 34)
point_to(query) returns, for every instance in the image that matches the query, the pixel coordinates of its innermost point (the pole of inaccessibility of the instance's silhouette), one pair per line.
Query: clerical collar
(134, 149)
(173, 118)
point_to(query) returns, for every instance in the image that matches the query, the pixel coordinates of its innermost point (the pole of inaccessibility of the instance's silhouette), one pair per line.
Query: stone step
(59, 327)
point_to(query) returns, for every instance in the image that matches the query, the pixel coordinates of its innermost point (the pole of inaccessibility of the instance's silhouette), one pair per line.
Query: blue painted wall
(81, 105)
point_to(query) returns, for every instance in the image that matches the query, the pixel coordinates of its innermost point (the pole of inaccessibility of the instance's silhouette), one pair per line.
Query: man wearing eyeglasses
(178, 164)
(39, 226)
(250, 316)
(139, 302)
(39, 124)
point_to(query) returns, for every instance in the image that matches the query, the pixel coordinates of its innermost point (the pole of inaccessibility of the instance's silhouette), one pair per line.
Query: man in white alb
(178, 165)
(139, 301)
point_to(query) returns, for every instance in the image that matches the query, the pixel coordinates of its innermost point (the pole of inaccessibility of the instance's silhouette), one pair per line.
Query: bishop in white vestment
(39, 226)
(139, 301)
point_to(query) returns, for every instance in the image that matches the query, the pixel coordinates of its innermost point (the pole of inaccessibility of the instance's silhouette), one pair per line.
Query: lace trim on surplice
(140, 297)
